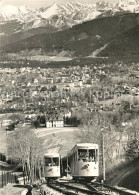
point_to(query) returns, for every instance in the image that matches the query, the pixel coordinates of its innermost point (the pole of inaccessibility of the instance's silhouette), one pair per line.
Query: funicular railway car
(52, 165)
(84, 161)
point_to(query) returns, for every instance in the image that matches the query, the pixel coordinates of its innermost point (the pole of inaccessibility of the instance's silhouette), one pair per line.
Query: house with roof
(58, 122)
(54, 122)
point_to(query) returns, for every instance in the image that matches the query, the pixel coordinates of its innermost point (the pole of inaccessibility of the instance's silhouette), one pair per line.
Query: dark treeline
(75, 62)
(72, 121)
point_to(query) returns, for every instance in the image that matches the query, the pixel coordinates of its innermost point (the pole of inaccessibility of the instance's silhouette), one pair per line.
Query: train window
(92, 155)
(48, 162)
(55, 161)
(83, 155)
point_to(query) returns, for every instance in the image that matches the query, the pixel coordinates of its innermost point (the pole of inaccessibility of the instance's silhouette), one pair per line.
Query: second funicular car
(52, 165)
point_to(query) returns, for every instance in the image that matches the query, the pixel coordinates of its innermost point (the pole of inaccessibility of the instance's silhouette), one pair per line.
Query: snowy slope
(51, 11)
(128, 5)
(64, 15)
(9, 12)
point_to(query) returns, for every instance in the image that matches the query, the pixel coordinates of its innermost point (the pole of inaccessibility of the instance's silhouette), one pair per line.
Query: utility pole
(67, 166)
(103, 157)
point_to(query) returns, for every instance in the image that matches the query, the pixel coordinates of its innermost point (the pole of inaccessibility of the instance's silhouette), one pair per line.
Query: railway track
(110, 188)
(75, 188)
(71, 187)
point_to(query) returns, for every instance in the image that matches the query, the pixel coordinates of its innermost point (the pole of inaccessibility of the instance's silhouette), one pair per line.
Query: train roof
(86, 145)
(50, 154)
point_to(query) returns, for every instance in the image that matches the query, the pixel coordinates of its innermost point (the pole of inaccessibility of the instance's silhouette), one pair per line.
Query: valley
(79, 41)
(69, 73)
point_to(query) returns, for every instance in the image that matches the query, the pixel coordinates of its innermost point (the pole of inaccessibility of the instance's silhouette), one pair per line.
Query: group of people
(53, 164)
(86, 159)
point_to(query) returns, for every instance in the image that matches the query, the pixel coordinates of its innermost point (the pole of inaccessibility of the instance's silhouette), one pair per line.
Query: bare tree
(133, 129)
(90, 129)
(97, 128)
(28, 149)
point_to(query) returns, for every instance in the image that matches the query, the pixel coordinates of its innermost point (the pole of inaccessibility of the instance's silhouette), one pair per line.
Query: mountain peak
(51, 11)
(128, 5)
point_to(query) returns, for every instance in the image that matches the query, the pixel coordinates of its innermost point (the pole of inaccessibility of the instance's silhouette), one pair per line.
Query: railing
(7, 177)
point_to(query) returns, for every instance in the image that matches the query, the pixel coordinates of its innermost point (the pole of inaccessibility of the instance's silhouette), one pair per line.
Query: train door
(93, 157)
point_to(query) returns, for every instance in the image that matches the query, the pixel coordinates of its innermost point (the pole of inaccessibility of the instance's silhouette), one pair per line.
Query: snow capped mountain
(8, 13)
(128, 6)
(121, 7)
(51, 11)
(103, 6)
(64, 15)
(77, 12)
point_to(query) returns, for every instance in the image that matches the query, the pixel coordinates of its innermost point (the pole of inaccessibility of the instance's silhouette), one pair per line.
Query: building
(54, 122)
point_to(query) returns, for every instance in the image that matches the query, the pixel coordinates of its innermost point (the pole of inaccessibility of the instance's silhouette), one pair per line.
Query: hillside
(10, 32)
(126, 44)
(81, 39)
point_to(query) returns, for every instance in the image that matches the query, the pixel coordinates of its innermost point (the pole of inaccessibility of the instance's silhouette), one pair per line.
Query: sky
(43, 3)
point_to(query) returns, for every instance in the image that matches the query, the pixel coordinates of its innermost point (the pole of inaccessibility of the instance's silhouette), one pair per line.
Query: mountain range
(84, 39)
(72, 29)
(64, 15)
(17, 23)
(59, 16)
